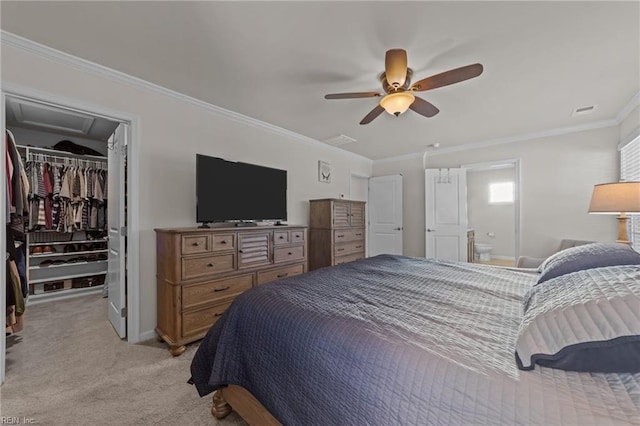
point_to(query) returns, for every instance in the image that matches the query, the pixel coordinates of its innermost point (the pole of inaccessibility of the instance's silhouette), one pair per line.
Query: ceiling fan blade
(352, 95)
(448, 77)
(395, 67)
(372, 115)
(423, 107)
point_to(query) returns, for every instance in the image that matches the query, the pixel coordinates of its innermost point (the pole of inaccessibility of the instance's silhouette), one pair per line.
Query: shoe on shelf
(49, 249)
(36, 250)
(69, 248)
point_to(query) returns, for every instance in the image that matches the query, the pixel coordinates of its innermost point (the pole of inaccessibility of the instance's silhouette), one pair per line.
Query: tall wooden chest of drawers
(200, 272)
(337, 232)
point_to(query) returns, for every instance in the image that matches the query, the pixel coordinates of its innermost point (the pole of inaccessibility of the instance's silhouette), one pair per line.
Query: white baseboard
(147, 335)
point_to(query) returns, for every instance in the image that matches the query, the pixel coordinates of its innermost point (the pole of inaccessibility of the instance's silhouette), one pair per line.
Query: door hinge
(123, 312)
(123, 231)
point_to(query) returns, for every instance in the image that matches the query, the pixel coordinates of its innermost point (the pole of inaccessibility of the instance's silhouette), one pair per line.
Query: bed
(399, 340)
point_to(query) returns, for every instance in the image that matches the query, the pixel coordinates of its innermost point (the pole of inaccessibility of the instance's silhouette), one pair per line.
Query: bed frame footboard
(243, 403)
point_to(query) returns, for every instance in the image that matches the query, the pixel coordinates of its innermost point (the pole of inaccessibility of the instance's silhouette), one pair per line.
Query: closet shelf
(40, 268)
(74, 253)
(62, 294)
(67, 277)
(99, 240)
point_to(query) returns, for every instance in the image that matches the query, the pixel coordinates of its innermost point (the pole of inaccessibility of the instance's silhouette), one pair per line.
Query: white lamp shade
(617, 197)
(397, 103)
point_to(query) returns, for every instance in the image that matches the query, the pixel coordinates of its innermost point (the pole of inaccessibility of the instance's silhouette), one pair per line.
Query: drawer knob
(340, 249)
(290, 253)
(210, 265)
(359, 235)
(197, 243)
(222, 289)
(282, 275)
(358, 246)
(340, 236)
(240, 251)
(223, 242)
(281, 237)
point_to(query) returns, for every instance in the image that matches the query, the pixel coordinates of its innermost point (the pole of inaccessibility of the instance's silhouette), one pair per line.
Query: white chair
(534, 262)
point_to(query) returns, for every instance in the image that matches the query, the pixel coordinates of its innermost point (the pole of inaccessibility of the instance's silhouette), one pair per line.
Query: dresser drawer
(193, 244)
(199, 294)
(348, 248)
(341, 235)
(193, 267)
(297, 236)
(223, 242)
(281, 237)
(285, 254)
(198, 322)
(349, 258)
(276, 274)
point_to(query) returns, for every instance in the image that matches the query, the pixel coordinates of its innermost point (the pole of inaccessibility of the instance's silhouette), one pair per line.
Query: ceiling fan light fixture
(397, 103)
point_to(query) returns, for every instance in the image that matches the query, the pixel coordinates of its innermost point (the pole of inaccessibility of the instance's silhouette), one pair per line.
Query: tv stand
(244, 224)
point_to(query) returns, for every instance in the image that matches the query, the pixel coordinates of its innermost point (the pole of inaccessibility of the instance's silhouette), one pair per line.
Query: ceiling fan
(396, 83)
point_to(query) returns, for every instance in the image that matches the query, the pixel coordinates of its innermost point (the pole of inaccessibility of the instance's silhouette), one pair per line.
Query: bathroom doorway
(493, 211)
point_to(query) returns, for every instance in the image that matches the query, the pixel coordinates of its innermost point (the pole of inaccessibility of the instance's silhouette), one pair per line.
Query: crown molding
(633, 103)
(502, 141)
(15, 41)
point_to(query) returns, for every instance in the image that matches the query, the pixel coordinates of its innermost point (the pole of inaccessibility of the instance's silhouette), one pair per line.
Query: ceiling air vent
(339, 140)
(583, 110)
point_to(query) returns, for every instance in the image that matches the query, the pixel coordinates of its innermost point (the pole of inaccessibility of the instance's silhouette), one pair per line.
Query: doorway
(493, 211)
(19, 107)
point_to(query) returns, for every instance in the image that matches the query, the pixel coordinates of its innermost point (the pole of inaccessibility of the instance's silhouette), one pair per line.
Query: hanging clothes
(66, 198)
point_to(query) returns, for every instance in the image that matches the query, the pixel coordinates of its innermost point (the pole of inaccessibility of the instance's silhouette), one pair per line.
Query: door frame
(515, 163)
(132, 188)
(352, 176)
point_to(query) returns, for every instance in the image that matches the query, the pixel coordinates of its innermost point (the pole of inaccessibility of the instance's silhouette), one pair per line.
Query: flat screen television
(235, 191)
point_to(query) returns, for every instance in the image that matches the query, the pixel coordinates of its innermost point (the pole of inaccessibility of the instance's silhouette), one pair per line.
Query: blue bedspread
(396, 340)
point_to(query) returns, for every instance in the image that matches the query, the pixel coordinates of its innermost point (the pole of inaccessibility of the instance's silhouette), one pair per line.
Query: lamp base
(623, 237)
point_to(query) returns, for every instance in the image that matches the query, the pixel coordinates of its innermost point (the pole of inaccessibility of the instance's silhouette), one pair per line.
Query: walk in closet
(58, 199)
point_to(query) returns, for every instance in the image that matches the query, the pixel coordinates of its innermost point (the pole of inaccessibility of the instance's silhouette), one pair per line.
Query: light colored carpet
(68, 367)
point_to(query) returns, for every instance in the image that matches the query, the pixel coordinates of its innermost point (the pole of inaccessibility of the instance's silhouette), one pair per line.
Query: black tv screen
(229, 191)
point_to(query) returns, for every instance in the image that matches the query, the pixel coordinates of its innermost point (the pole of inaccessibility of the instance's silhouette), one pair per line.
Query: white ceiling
(275, 61)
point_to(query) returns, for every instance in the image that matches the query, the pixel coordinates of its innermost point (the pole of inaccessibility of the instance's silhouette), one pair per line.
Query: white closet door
(385, 215)
(116, 276)
(446, 214)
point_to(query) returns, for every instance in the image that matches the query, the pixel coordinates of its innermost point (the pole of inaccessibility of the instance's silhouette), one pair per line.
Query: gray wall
(557, 176)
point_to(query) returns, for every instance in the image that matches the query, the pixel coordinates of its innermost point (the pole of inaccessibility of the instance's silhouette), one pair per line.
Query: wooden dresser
(338, 232)
(200, 272)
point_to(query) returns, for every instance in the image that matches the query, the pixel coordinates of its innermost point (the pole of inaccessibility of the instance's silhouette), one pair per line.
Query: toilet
(482, 251)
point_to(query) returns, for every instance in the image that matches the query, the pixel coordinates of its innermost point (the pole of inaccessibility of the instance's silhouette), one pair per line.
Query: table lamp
(617, 198)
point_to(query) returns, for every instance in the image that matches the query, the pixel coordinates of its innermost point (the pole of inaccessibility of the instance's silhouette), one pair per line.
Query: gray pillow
(585, 321)
(587, 256)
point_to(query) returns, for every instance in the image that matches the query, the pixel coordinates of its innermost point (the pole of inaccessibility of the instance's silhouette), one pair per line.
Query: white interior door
(385, 215)
(116, 276)
(446, 214)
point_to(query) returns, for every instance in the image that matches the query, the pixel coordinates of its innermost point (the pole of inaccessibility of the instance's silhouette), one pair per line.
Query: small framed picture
(324, 172)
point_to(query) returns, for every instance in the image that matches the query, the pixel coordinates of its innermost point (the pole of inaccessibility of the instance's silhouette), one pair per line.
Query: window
(501, 192)
(630, 171)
